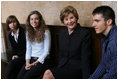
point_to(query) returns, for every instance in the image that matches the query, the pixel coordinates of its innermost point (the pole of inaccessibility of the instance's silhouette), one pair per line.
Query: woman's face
(70, 21)
(13, 25)
(34, 20)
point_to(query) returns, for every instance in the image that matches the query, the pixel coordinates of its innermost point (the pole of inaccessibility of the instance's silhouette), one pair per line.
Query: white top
(40, 50)
(15, 36)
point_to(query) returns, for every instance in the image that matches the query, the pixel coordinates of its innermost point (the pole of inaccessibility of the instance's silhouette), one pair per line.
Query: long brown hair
(11, 19)
(41, 28)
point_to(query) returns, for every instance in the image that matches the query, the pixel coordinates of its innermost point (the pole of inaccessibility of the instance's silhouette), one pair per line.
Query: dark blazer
(18, 48)
(75, 50)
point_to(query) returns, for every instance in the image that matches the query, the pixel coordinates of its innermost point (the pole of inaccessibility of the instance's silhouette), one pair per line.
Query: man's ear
(109, 22)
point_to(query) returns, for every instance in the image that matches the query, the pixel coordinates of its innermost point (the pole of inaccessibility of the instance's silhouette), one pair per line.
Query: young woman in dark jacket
(18, 44)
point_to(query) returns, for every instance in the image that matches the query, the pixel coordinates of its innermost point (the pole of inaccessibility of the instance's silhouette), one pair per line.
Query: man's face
(99, 24)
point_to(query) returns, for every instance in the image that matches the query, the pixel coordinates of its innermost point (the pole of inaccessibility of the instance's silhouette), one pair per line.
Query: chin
(97, 32)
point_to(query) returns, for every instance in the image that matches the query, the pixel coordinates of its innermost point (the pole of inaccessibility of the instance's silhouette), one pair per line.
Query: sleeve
(14, 51)
(98, 73)
(47, 45)
(111, 65)
(85, 55)
(22, 43)
(113, 70)
(28, 48)
(112, 73)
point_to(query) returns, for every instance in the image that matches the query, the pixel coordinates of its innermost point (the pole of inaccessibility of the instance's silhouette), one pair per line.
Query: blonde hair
(65, 11)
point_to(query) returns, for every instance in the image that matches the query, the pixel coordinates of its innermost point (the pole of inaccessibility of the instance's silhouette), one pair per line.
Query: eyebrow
(96, 20)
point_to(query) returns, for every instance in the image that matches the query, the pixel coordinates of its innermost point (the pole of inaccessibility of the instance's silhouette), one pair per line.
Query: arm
(28, 48)
(112, 73)
(22, 43)
(85, 55)
(100, 70)
(98, 73)
(47, 44)
(28, 53)
(14, 51)
(111, 63)
(28, 65)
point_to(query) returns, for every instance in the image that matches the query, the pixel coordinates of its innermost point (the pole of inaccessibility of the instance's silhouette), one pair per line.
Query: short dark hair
(10, 19)
(106, 11)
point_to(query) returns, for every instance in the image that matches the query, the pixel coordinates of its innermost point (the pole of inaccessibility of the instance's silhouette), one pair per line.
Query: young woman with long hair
(38, 46)
(18, 44)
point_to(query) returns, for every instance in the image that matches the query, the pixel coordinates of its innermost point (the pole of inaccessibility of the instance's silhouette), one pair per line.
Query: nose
(34, 21)
(93, 24)
(12, 24)
(69, 20)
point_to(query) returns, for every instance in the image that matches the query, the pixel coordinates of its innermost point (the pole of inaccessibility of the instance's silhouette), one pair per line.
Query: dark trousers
(14, 67)
(35, 72)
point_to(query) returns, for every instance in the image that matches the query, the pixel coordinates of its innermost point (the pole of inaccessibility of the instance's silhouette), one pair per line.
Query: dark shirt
(18, 48)
(75, 50)
(107, 69)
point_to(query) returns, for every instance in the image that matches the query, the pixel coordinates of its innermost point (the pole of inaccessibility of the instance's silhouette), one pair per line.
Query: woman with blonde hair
(74, 49)
(38, 46)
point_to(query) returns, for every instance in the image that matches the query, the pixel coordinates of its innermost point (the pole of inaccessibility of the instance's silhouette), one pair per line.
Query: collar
(13, 33)
(75, 30)
(109, 34)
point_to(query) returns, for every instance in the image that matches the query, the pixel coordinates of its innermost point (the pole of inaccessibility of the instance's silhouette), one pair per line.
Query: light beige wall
(50, 10)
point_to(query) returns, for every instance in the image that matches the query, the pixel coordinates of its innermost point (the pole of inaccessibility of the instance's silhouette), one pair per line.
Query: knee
(47, 73)
(12, 62)
(10, 65)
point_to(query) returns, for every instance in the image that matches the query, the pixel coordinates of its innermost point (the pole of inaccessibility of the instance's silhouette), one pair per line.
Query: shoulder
(22, 32)
(47, 32)
(9, 35)
(84, 30)
(21, 29)
(113, 36)
(62, 31)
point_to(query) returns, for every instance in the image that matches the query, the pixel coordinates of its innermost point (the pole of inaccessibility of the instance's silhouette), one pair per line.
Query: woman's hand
(14, 57)
(35, 63)
(28, 65)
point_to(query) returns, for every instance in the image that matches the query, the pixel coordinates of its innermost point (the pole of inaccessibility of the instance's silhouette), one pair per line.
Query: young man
(104, 23)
